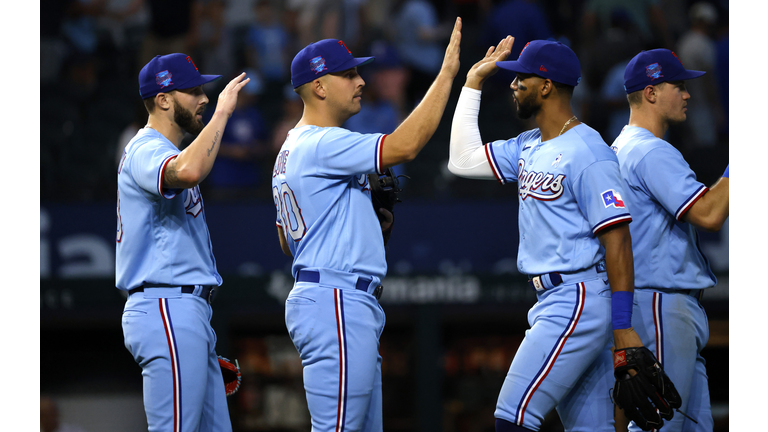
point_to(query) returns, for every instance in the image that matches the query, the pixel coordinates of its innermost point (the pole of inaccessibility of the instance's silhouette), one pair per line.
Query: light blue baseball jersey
(660, 188)
(323, 199)
(162, 237)
(569, 190)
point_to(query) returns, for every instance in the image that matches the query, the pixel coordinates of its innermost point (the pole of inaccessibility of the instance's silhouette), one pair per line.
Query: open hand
(486, 67)
(228, 97)
(451, 60)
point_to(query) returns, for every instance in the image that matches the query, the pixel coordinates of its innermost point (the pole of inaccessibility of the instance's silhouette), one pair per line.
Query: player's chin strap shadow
(610, 395)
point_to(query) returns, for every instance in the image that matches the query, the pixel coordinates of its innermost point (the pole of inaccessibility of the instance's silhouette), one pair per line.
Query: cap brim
(514, 66)
(687, 75)
(354, 62)
(198, 81)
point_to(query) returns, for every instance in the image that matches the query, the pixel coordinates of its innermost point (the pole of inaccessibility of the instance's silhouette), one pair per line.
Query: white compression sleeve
(467, 154)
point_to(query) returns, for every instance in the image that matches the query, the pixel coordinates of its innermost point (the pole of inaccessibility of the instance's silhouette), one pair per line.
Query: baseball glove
(231, 374)
(647, 397)
(384, 191)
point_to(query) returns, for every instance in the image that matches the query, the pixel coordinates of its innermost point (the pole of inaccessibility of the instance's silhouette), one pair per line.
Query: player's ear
(546, 87)
(319, 88)
(163, 101)
(650, 93)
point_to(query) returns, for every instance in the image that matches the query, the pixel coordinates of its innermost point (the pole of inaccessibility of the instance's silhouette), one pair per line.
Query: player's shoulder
(635, 143)
(334, 133)
(589, 144)
(148, 139)
(525, 139)
(312, 135)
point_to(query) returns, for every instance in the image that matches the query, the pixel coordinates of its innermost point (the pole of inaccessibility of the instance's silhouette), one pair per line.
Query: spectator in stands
(213, 44)
(173, 26)
(417, 35)
(244, 145)
(646, 16)
(697, 51)
(524, 18)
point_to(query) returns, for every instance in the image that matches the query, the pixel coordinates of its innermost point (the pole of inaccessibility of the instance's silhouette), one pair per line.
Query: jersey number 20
(290, 212)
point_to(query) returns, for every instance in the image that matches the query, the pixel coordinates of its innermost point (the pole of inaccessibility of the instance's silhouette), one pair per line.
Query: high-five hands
(486, 67)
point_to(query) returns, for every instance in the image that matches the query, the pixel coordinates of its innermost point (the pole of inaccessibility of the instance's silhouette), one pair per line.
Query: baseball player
(667, 202)
(164, 258)
(326, 222)
(574, 239)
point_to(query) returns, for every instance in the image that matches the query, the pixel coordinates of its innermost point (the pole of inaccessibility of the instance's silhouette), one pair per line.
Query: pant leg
(699, 407)
(170, 338)
(215, 408)
(336, 332)
(373, 419)
(570, 329)
(674, 327)
(589, 402)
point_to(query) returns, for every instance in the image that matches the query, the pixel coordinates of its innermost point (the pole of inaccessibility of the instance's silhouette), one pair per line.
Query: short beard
(186, 119)
(527, 107)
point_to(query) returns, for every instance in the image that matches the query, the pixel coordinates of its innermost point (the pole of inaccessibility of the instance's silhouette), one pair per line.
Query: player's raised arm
(194, 163)
(711, 210)
(412, 135)
(467, 157)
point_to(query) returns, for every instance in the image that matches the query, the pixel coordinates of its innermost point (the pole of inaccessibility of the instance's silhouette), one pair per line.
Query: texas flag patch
(612, 198)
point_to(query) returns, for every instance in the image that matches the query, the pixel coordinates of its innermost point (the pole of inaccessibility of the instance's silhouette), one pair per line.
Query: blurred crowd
(92, 50)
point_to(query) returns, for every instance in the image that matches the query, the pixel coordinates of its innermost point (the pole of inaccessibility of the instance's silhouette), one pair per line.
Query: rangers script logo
(540, 186)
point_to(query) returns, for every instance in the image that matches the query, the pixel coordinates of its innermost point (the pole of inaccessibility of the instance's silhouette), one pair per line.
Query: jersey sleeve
(668, 178)
(598, 192)
(503, 156)
(342, 153)
(148, 165)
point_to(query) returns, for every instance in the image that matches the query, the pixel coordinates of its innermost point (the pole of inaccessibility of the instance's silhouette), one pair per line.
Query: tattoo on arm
(171, 178)
(213, 144)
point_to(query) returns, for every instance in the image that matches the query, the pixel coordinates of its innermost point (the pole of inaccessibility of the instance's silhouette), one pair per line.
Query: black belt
(207, 293)
(362, 282)
(696, 293)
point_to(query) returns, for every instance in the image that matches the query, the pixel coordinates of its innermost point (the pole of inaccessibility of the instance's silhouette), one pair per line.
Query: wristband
(725, 174)
(621, 309)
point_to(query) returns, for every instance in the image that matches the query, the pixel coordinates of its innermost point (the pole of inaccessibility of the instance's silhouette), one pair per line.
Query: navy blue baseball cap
(170, 72)
(323, 57)
(548, 59)
(655, 67)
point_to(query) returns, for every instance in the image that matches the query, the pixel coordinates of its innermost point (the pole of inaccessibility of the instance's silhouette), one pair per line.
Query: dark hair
(149, 104)
(636, 98)
(564, 89)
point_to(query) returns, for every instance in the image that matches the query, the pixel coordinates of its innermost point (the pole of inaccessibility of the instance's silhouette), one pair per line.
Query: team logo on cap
(612, 198)
(318, 64)
(653, 71)
(163, 79)
(526, 46)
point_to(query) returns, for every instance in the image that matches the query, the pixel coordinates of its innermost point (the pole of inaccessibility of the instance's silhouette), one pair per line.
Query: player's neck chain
(566, 125)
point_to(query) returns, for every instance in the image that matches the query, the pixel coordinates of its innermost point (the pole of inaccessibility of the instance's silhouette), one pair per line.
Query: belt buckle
(211, 294)
(377, 292)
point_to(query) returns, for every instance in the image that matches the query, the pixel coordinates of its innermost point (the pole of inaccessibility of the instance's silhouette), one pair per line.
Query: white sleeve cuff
(467, 156)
